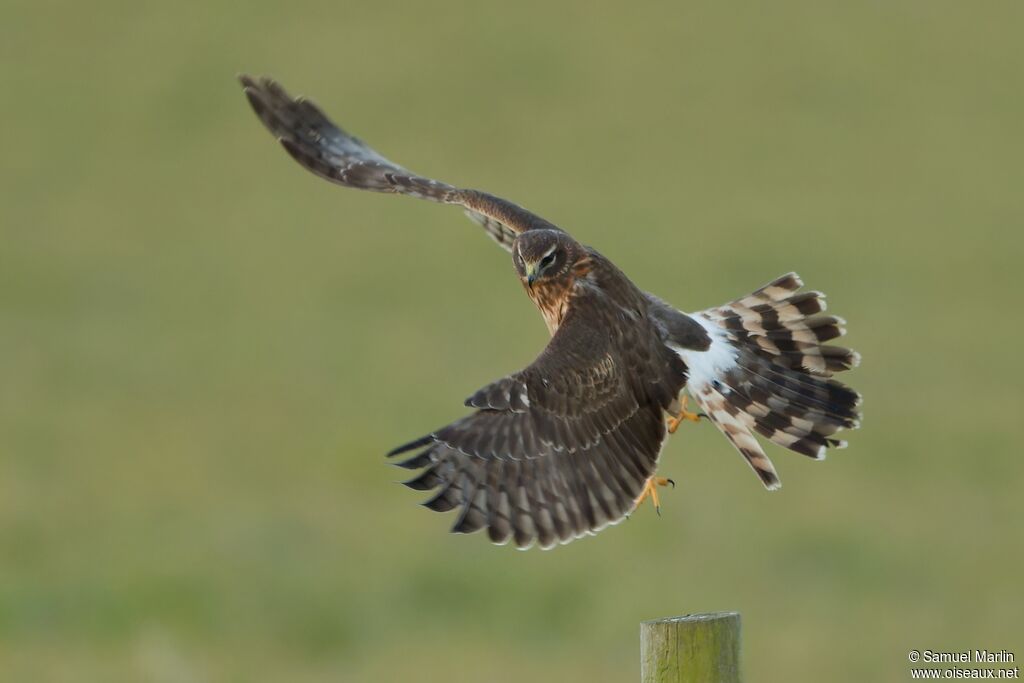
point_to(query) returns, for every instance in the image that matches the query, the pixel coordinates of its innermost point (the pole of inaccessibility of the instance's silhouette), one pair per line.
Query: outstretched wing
(564, 447)
(325, 149)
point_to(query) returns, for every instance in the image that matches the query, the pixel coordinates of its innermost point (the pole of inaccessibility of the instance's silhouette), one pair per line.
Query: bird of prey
(571, 443)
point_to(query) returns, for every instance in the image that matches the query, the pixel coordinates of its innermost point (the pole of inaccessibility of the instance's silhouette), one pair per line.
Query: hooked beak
(531, 275)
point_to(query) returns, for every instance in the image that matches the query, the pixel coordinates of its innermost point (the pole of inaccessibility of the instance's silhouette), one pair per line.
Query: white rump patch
(706, 366)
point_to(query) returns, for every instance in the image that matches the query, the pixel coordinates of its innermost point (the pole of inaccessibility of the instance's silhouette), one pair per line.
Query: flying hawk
(570, 444)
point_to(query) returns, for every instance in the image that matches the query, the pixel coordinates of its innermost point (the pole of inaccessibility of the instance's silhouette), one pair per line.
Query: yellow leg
(684, 414)
(651, 490)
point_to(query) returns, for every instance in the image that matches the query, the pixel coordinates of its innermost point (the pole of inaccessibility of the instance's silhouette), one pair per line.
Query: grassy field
(205, 351)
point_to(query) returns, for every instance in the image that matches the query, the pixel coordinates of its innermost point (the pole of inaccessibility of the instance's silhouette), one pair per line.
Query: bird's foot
(651, 491)
(684, 414)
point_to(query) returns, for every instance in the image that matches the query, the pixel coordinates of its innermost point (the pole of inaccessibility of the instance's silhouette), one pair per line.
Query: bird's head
(544, 257)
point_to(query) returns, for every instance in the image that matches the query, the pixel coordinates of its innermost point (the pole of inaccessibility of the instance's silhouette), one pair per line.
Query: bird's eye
(547, 260)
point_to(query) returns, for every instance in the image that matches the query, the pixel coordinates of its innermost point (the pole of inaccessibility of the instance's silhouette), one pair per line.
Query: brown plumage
(565, 446)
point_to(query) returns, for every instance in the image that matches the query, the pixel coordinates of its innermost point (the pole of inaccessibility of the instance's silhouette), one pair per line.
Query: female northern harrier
(571, 443)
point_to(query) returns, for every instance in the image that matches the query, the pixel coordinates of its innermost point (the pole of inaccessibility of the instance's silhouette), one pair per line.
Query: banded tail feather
(769, 371)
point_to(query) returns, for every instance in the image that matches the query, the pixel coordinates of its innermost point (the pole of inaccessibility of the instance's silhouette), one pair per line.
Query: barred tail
(768, 371)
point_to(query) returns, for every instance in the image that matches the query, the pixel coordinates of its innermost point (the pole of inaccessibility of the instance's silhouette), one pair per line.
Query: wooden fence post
(696, 648)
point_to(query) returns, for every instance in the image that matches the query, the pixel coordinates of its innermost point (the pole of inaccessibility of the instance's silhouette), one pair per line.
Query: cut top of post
(696, 648)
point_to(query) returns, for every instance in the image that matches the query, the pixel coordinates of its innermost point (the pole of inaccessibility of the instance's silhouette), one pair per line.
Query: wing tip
(412, 445)
(247, 80)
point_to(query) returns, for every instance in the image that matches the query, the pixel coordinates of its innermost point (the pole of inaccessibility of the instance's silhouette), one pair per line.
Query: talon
(684, 414)
(651, 491)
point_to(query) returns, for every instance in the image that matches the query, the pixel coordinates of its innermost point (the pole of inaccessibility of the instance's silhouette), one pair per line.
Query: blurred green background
(205, 351)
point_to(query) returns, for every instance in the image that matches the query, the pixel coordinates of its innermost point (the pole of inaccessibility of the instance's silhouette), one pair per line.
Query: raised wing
(564, 447)
(325, 149)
